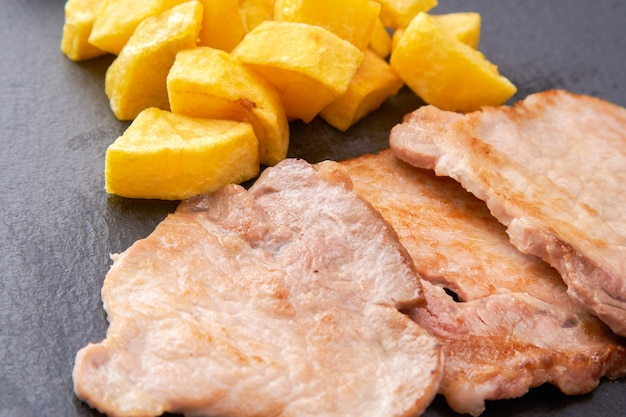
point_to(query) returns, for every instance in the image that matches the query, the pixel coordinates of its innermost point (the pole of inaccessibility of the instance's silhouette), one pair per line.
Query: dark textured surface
(58, 227)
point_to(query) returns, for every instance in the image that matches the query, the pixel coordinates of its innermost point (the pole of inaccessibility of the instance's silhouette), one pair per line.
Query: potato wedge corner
(117, 20)
(465, 26)
(399, 13)
(79, 18)
(381, 41)
(222, 24)
(369, 88)
(351, 20)
(254, 12)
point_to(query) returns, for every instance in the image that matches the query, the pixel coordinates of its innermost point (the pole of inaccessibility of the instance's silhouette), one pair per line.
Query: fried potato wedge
(172, 157)
(465, 26)
(444, 71)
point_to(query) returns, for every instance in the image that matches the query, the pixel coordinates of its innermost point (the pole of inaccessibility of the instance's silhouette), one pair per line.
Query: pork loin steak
(278, 301)
(552, 168)
(511, 325)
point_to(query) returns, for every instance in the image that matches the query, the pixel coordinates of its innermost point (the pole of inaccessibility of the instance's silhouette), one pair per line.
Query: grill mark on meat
(246, 303)
(554, 174)
(514, 328)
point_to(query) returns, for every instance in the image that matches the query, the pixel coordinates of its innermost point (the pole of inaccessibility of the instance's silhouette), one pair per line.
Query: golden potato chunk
(371, 85)
(308, 65)
(381, 40)
(210, 83)
(351, 20)
(172, 157)
(445, 72)
(399, 13)
(222, 24)
(137, 78)
(79, 18)
(465, 26)
(118, 19)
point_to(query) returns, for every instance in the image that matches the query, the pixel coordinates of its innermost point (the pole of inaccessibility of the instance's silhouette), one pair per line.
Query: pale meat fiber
(552, 168)
(245, 303)
(510, 325)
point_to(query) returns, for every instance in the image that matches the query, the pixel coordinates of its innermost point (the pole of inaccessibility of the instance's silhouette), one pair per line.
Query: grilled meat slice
(552, 168)
(278, 301)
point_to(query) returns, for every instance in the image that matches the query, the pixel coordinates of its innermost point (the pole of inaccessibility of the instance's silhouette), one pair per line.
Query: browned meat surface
(280, 301)
(514, 327)
(552, 168)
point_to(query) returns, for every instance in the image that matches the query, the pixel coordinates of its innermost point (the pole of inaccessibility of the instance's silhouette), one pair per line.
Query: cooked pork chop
(552, 168)
(513, 326)
(280, 301)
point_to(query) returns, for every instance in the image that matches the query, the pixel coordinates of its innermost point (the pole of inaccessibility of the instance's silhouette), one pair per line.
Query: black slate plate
(58, 227)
